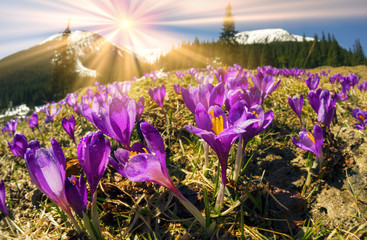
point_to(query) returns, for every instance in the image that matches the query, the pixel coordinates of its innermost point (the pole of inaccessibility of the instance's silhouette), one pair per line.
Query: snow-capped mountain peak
(268, 36)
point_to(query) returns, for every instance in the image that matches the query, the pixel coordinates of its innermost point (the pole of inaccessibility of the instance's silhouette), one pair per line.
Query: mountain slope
(25, 76)
(268, 36)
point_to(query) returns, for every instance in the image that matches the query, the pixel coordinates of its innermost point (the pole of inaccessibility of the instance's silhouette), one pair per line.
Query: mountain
(268, 36)
(25, 76)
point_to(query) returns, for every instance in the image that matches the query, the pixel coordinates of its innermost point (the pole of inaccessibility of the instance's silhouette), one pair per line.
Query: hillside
(25, 77)
(269, 200)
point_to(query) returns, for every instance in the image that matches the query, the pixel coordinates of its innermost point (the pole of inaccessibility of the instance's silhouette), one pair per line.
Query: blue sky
(163, 23)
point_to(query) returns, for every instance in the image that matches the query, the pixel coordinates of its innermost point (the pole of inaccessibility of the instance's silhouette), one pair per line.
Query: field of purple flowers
(214, 153)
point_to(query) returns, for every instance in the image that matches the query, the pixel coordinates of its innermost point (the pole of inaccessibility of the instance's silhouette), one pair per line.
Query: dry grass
(147, 211)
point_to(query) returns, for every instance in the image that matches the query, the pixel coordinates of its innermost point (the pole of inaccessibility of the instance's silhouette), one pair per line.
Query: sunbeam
(144, 24)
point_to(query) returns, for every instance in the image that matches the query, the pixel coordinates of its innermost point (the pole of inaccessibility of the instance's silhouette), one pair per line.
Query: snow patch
(268, 36)
(83, 71)
(19, 111)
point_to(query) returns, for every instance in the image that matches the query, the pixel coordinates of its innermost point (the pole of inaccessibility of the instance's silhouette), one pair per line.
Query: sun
(125, 24)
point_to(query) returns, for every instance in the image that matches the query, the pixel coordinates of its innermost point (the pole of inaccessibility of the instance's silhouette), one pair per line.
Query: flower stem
(43, 141)
(238, 163)
(220, 196)
(74, 222)
(206, 163)
(95, 217)
(88, 227)
(192, 209)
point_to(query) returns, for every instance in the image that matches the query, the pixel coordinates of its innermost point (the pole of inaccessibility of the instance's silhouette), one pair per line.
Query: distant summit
(268, 36)
(25, 76)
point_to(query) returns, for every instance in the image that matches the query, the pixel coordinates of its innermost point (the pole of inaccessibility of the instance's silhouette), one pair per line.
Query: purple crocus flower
(90, 105)
(154, 77)
(10, 127)
(34, 145)
(179, 74)
(33, 121)
(71, 99)
(68, 124)
(93, 152)
(117, 120)
(363, 86)
(236, 81)
(2, 198)
(312, 143)
(224, 74)
(46, 169)
(221, 132)
(76, 194)
(202, 78)
(208, 95)
(313, 82)
(296, 105)
(19, 145)
(51, 113)
(158, 94)
(148, 163)
(145, 163)
(265, 83)
(250, 97)
(140, 107)
(323, 105)
(361, 116)
(177, 88)
(192, 72)
(264, 120)
(343, 95)
(122, 87)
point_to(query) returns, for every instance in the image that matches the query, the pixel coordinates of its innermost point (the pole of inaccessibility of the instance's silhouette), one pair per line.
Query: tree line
(305, 54)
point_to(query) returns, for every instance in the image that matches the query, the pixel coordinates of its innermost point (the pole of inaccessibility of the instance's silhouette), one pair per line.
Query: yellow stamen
(256, 115)
(361, 117)
(132, 153)
(217, 123)
(311, 137)
(91, 104)
(74, 182)
(225, 68)
(145, 150)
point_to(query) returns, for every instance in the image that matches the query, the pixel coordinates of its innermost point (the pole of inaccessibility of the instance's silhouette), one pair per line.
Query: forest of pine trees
(306, 54)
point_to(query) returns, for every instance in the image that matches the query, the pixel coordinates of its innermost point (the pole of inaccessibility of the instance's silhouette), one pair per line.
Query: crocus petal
(217, 95)
(69, 126)
(76, 194)
(202, 118)
(300, 145)
(2, 198)
(56, 150)
(237, 113)
(319, 139)
(93, 152)
(188, 100)
(154, 141)
(45, 172)
(19, 145)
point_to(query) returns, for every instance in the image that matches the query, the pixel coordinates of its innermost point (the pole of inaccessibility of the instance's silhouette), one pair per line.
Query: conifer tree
(64, 69)
(358, 52)
(334, 57)
(228, 29)
(266, 57)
